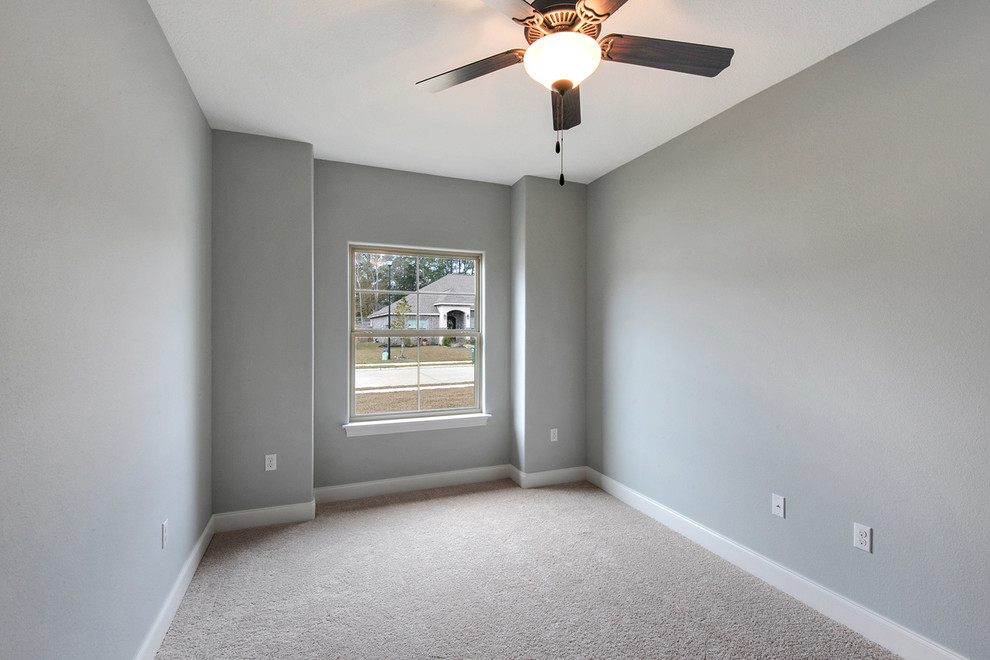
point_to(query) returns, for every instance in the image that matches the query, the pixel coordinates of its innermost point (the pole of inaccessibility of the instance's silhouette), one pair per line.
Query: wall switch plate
(270, 462)
(863, 537)
(777, 505)
(164, 533)
(553, 435)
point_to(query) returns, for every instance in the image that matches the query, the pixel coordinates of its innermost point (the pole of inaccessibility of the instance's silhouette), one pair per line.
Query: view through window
(415, 333)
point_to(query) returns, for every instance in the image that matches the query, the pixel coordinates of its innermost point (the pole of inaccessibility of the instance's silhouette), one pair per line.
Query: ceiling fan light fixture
(570, 56)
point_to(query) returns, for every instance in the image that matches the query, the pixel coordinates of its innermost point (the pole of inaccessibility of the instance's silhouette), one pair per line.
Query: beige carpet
(488, 571)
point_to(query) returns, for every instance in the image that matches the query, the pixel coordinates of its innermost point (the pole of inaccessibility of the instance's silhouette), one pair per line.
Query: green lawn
(371, 353)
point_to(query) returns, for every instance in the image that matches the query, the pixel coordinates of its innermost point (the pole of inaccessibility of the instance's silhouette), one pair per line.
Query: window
(415, 338)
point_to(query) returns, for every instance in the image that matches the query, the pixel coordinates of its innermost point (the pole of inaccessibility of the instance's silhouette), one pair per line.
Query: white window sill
(384, 426)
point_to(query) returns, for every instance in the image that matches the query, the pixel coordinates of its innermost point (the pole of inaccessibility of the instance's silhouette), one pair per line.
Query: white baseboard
(153, 640)
(416, 482)
(547, 477)
(271, 515)
(869, 624)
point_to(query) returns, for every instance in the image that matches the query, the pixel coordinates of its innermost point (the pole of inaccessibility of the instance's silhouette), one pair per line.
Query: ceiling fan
(563, 51)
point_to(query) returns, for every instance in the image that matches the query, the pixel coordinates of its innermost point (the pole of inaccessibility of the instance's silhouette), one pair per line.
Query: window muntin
(415, 339)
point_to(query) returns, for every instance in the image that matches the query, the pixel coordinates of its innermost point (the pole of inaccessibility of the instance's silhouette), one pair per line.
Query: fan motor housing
(559, 17)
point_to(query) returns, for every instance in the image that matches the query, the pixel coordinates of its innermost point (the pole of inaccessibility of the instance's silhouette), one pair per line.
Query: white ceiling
(340, 75)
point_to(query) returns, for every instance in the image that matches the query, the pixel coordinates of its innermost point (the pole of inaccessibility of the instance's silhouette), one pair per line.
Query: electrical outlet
(553, 435)
(777, 505)
(164, 533)
(270, 462)
(863, 537)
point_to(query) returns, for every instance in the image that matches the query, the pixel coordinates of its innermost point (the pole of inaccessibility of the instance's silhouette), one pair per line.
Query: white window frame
(374, 423)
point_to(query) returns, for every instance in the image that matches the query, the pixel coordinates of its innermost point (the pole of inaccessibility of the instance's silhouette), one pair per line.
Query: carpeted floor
(488, 571)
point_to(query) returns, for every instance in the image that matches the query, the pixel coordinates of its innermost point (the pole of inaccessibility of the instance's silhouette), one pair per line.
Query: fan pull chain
(560, 150)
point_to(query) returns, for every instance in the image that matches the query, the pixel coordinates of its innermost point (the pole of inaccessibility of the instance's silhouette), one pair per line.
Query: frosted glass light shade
(562, 56)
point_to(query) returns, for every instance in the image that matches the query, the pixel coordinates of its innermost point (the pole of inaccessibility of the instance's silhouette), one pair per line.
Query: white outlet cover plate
(270, 462)
(777, 505)
(863, 537)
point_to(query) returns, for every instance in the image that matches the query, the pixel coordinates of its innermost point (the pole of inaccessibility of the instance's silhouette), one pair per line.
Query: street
(430, 375)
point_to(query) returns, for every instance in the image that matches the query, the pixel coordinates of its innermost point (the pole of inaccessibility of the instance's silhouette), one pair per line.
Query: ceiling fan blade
(697, 59)
(602, 9)
(474, 70)
(566, 109)
(518, 10)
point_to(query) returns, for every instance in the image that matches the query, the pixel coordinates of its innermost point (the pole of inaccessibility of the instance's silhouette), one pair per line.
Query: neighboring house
(448, 303)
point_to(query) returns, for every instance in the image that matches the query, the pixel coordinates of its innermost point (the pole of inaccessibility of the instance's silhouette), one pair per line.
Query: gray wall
(805, 285)
(104, 326)
(548, 323)
(262, 321)
(370, 205)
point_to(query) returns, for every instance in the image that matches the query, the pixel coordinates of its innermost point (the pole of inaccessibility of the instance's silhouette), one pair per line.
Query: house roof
(453, 289)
